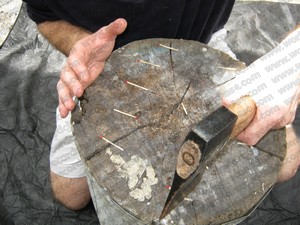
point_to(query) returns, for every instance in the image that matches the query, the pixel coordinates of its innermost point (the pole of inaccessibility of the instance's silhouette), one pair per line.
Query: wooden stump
(129, 185)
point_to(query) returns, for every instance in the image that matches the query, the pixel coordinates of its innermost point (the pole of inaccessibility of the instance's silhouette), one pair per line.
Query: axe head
(209, 134)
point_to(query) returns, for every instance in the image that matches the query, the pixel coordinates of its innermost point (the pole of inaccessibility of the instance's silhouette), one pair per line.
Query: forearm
(274, 70)
(62, 35)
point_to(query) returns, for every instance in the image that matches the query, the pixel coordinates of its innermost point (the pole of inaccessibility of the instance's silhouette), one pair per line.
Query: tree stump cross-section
(136, 116)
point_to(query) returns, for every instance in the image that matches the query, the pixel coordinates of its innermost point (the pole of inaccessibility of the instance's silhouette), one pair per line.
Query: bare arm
(73, 193)
(87, 53)
(62, 35)
(273, 81)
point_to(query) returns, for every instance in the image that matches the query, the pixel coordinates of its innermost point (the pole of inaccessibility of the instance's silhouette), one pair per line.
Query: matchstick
(227, 68)
(103, 138)
(184, 109)
(138, 86)
(164, 46)
(126, 114)
(148, 63)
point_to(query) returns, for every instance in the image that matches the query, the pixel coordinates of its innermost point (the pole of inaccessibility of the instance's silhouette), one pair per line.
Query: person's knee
(73, 193)
(292, 159)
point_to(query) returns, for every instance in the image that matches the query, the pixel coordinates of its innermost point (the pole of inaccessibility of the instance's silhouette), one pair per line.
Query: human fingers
(62, 109)
(94, 70)
(266, 118)
(250, 136)
(274, 111)
(87, 56)
(113, 29)
(71, 80)
(66, 102)
(253, 133)
(100, 42)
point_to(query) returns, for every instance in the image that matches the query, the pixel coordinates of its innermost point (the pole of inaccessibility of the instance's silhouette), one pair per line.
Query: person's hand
(276, 100)
(85, 63)
(273, 81)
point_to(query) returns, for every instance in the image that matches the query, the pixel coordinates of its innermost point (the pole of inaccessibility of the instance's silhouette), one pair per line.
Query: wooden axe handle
(245, 109)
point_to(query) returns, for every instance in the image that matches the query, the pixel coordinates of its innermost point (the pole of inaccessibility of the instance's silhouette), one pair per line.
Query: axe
(201, 144)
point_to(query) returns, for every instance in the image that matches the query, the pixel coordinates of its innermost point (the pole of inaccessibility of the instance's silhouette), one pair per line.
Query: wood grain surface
(182, 88)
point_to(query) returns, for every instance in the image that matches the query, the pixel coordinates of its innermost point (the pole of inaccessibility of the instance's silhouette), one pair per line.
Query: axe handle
(245, 109)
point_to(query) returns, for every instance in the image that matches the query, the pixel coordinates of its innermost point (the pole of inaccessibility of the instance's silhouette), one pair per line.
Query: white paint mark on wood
(117, 159)
(182, 210)
(181, 222)
(260, 168)
(133, 170)
(254, 150)
(108, 151)
(145, 191)
(164, 222)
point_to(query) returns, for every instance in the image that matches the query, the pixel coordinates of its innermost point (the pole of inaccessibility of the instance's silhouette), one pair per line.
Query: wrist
(75, 38)
(62, 35)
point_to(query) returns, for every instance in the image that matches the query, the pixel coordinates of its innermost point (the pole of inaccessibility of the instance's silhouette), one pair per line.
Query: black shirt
(185, 19)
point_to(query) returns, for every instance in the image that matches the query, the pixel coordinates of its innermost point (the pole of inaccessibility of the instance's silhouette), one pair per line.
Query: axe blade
(209, 134)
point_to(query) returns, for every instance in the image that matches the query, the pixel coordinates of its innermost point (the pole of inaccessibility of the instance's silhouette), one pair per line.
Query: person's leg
(67, 174)
(291, 162)
(73, 193)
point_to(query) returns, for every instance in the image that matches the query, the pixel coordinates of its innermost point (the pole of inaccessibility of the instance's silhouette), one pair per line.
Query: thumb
(113, 29)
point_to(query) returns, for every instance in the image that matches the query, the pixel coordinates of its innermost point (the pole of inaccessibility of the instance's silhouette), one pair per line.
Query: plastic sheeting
(9, 11)
(29, 71)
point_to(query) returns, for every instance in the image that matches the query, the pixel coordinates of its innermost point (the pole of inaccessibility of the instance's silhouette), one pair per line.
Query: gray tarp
(29, 70)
